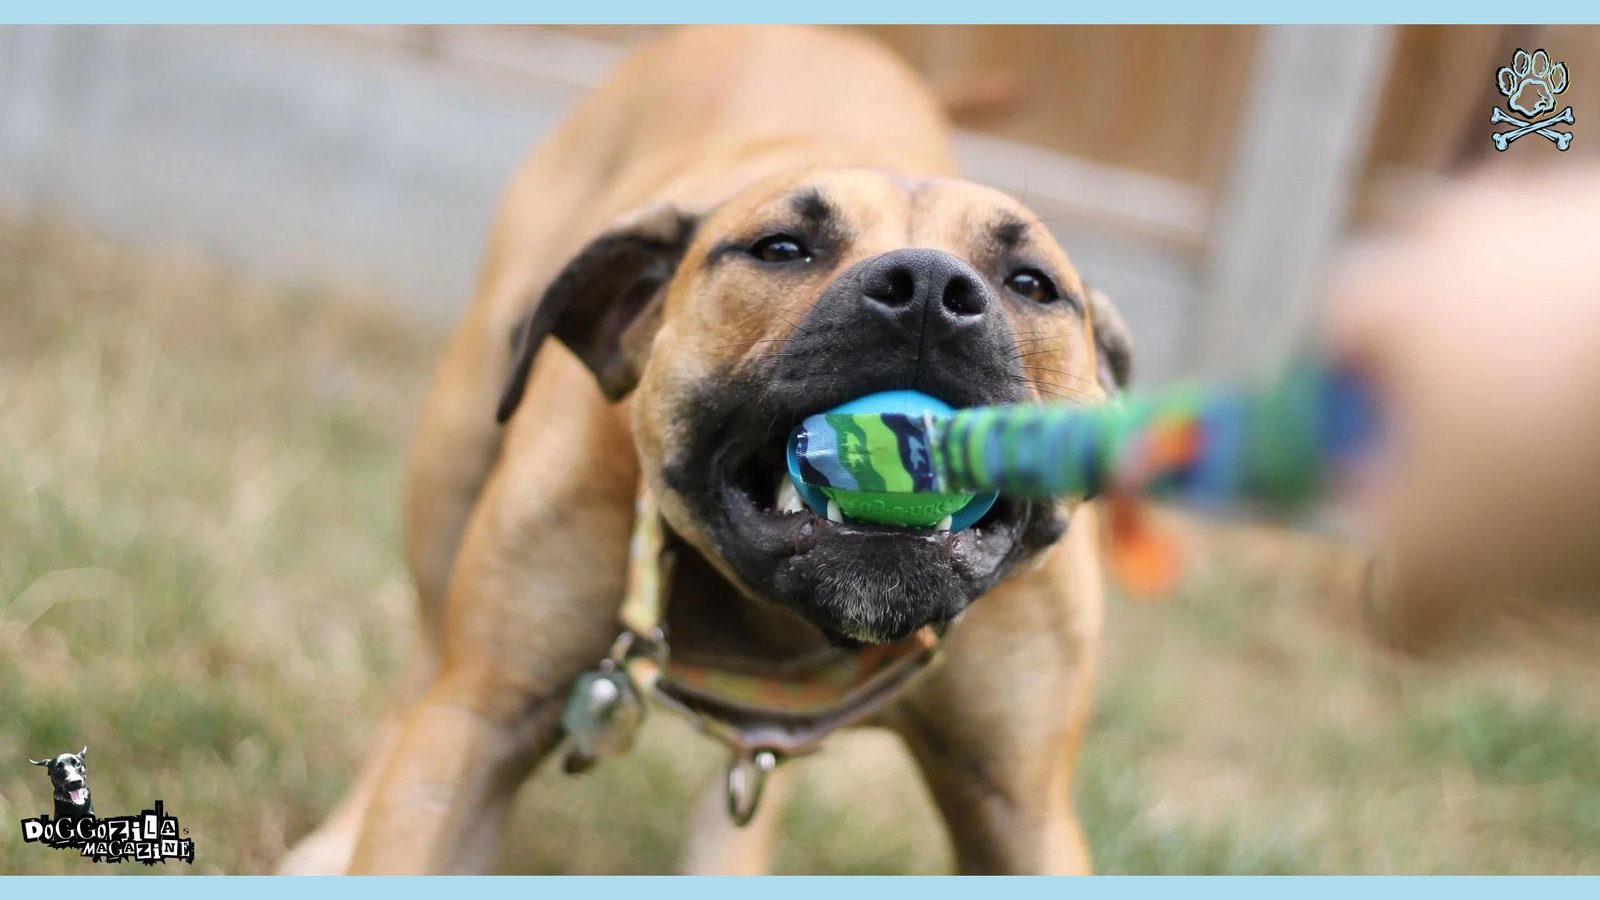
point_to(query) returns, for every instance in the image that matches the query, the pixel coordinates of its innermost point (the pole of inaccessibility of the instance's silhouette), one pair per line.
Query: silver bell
(602, 715)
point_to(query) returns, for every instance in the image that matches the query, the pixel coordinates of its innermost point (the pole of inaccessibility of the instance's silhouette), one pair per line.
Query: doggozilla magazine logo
(150, 837)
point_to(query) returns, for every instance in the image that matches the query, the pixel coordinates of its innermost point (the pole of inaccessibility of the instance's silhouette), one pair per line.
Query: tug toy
(902, 458)
(905, 459)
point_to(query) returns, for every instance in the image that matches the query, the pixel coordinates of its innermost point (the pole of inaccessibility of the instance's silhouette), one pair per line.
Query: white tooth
(833, 513)
(788, 498)
(944, 523)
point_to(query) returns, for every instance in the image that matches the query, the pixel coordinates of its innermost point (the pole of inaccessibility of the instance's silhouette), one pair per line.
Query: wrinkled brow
(815, 209)
(1008, 232)
(816, 218)
(820, 218)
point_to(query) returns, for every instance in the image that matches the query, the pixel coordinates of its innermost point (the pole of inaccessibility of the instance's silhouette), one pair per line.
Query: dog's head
(69, 775)
(729, 326)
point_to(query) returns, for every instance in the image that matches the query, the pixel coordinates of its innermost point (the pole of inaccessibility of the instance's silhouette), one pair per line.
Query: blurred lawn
(204, 475)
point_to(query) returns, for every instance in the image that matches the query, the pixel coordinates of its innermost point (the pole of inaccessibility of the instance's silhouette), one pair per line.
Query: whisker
(1028, 342)
(770, 425)
(1053, 395)
(793, 325)
(1078, 378)
(768, 357)
(803, 304)
(1065, 389)
(1037, 352)
(756, 341)
(1059, 391)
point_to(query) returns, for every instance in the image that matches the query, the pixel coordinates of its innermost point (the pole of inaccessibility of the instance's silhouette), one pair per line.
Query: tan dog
(742, 227)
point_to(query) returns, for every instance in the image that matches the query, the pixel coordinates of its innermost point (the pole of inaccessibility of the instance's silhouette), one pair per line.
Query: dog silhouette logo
(69, 782)
(1530, 85)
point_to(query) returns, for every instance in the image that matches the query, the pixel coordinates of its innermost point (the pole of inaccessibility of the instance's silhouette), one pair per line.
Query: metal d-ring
(747, 778)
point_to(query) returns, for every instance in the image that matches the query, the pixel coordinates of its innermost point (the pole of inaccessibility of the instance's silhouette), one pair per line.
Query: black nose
(920, 287)
(913, 318)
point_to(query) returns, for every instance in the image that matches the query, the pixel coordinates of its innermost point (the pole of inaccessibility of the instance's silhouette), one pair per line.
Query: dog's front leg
(532, 604)
(444, 794)
(995, 727)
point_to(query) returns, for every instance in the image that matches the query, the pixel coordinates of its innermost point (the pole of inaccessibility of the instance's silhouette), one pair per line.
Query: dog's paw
(1532, 82)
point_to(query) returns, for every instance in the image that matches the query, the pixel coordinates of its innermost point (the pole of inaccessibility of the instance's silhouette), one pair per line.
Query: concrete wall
(317, 157)
(268, 149)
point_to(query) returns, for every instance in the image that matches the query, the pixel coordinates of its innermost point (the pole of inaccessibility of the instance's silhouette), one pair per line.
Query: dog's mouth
(857, 581)
(79, 795)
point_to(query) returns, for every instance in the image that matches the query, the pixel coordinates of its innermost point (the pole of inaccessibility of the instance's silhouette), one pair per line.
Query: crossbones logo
(1530, 85)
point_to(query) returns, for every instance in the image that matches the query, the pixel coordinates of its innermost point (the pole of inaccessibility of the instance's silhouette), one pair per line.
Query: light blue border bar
(123, 12)
(158, 12)
(807, 888)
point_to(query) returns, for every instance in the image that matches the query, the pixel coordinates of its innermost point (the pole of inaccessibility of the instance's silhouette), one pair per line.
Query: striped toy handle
(1275, 446)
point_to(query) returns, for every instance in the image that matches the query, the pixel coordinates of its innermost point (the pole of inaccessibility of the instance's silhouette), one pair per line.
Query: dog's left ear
(84, 752)
(605, 304)
(1113, 343)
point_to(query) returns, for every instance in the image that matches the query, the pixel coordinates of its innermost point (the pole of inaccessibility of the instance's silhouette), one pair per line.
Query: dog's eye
(1032, 284)
(779, 248)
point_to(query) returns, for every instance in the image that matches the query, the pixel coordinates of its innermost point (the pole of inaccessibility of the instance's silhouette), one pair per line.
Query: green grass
(226, 458)
(199, 483)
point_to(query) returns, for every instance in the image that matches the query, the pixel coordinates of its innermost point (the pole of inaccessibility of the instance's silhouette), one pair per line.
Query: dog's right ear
(39, 762)
(603, 301)
(1113, 343)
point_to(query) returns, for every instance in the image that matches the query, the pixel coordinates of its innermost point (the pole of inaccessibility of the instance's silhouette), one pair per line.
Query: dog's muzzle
(916, 319)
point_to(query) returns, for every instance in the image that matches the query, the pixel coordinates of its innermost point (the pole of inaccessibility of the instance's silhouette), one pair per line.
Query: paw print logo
(1532, 82)
(1530, 85)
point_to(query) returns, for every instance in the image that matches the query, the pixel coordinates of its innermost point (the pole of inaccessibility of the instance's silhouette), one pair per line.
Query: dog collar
(762, 714)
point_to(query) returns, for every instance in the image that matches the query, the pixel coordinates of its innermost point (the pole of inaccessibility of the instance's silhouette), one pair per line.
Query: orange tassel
(1144, 560)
